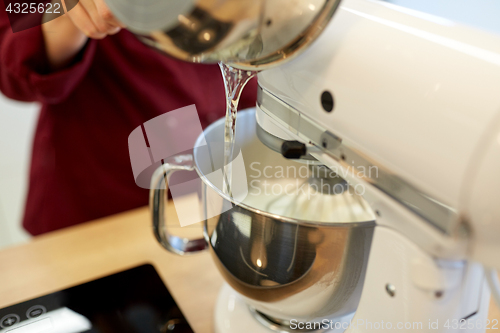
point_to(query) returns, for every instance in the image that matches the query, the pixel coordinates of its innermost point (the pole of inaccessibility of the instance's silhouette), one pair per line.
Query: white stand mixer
(416, 99)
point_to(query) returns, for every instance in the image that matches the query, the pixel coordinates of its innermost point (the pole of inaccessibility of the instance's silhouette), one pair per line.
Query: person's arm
(65, 36)
(63, 41)
(46, 63)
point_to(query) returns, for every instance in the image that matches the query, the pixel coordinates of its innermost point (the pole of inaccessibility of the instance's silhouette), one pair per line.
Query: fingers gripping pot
(296, 253)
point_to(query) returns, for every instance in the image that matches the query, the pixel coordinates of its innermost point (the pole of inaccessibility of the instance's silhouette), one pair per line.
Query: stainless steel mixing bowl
(285, 264)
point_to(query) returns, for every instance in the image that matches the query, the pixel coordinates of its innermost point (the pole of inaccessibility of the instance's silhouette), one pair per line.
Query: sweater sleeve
(24, 67)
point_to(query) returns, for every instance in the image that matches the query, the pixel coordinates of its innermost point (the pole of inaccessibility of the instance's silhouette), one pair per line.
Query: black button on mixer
(327, 101)
(293, 149)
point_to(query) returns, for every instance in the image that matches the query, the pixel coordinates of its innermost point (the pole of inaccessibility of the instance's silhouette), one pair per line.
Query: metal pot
(251, 35)
(285, 264)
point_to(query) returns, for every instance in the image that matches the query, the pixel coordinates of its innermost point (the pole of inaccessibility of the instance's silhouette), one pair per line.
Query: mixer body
(409, 95)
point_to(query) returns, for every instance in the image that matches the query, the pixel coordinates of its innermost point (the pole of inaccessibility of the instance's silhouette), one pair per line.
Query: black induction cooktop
(132, 301)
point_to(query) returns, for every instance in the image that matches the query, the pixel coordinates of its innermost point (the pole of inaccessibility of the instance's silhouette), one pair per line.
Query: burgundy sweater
(80, 166)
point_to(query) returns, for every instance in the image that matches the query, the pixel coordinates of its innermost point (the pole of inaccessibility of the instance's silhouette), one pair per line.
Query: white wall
(17, 123)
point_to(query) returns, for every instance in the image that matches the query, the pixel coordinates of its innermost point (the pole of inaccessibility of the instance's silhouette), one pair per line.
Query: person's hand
(93, 18)
(66, 35)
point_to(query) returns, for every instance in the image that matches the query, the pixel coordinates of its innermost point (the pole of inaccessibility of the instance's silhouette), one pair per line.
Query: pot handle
(157, 203)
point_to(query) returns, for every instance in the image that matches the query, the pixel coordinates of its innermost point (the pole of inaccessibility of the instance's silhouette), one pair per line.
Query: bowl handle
(157, 203)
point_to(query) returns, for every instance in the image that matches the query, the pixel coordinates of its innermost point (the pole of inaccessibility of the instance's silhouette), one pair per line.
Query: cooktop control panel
(133, 301)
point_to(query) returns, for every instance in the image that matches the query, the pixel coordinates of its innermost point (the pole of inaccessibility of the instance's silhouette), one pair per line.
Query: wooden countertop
(85, 252)
(69, 257)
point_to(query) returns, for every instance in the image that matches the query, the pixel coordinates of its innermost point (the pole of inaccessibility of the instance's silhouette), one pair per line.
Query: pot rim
(199, 143)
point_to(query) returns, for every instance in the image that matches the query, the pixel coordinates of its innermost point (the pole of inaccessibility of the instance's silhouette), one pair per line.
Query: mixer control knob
(293, 149)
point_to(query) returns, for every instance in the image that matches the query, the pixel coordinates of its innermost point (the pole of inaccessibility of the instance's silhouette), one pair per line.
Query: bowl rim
(285, 219)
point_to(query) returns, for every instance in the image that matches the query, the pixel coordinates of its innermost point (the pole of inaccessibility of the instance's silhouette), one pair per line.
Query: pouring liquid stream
(234, 81)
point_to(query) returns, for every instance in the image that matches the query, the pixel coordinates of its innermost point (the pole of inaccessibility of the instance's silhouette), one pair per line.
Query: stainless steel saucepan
(250, 35)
